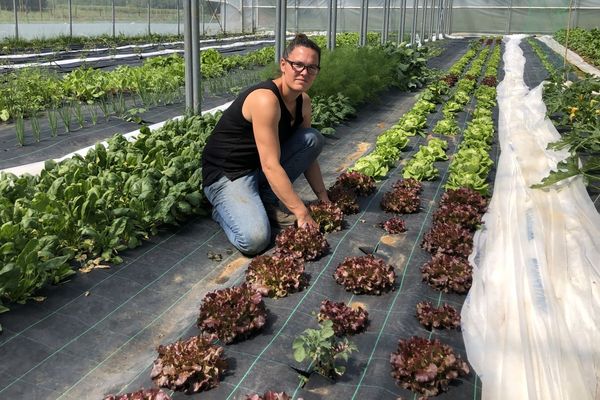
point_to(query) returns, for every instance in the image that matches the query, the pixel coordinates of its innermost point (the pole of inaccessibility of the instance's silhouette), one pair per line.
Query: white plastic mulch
(572, 57)
(531, 322)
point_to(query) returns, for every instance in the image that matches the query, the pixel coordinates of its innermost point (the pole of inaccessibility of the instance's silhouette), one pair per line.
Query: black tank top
(231, 148)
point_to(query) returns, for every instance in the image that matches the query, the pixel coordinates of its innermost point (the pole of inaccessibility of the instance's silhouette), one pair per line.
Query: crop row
(27, 92)
(574, 108)
(86, 209)
(584, 42)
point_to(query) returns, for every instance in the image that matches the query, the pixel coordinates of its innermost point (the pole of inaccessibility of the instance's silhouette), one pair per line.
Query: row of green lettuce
(471, 164)
(87, 209)
(390, 143)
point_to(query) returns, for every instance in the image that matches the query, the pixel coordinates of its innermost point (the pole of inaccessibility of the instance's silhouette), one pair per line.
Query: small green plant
(323, 349)
(20, 129)
(35, 127)
(53, 122)
(79, 113)
(93, 113)
(65, 116)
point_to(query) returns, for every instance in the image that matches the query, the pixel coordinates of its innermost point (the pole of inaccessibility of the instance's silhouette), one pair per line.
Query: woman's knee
(254, 240)
(314, 139)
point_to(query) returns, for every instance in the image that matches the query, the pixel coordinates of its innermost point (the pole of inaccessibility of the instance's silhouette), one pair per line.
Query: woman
(261, 144)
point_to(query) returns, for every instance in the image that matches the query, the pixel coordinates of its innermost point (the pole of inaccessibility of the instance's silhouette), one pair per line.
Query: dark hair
(302, 40)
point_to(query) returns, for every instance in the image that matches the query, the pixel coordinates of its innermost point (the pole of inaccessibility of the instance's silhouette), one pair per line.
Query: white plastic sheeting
(572, 57)
(531, 321)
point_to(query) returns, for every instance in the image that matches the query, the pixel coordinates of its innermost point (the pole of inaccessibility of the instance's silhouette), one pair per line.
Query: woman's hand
(305, 219)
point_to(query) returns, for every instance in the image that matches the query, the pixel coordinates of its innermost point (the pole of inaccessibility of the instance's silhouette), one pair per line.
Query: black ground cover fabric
(97, 334)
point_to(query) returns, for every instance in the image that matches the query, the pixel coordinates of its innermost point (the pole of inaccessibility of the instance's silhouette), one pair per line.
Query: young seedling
(323, 349)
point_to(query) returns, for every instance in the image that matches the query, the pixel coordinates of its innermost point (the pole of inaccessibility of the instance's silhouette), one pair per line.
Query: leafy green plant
(20, 129)
(321, 347)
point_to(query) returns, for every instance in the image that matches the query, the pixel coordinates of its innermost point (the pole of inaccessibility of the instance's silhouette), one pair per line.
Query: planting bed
(97, 334)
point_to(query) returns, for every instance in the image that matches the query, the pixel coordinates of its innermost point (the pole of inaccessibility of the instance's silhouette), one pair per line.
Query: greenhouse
(307, 199)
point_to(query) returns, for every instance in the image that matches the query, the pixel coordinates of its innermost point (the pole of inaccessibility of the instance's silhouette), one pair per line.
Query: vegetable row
(85, 210)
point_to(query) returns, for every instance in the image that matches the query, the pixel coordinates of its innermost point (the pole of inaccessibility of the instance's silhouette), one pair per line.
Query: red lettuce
(305, 242)
(401, 201)
(448, 238)
(464, 215)
(346, 320)
(270, 395)
(394, 225)
(232, 313)
(448, 273)
(443, 317)
(328, 215)
(426, 366)
(465, 196)
(365, 274)
(190, 366)
(276, 275)
(344, 198)
(143, 394)
(362, 184)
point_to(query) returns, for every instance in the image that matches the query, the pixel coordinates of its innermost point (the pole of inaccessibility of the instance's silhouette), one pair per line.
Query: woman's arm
(261, 108)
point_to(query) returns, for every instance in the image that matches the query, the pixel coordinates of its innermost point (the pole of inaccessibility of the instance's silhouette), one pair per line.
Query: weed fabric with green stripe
(98, 334)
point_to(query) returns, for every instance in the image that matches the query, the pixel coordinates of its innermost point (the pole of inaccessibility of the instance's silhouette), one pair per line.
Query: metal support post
(450, 12)
(178, 18)
(331, 21)
(187, 55)
(224, 15)
(401, 21)
(70, 18)
(413, 31)
(423, 19)
(364, 17)
(386, 21)
(149, 29)
(114, 18)
(432, 21)
(280, 10)
(16, 19)
(196, 57)
(438, 25)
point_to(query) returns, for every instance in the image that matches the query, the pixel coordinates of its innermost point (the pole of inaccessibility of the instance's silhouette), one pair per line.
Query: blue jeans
(238, 205)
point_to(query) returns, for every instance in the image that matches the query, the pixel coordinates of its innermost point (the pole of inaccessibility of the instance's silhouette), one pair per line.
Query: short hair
(303, 41)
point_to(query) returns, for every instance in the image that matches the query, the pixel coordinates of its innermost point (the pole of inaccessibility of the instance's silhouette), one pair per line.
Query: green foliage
(89, 208)
(323, 349)
(584, 42)
(359, 73)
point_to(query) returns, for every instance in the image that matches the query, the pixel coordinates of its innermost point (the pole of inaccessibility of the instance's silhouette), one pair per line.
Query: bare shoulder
(262, 103)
